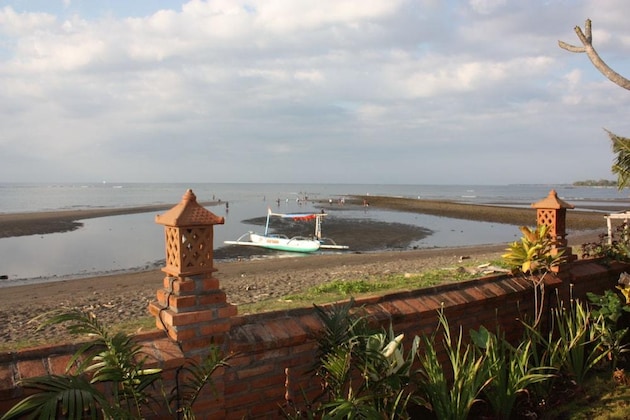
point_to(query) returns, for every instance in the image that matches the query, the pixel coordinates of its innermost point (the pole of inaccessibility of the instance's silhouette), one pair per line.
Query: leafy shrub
(616, 248)
(117, 362)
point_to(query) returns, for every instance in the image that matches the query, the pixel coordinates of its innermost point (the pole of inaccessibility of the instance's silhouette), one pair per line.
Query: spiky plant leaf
(71, 396)
(197, 376)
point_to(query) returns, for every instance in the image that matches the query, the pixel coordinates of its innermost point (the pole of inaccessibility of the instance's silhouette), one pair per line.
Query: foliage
(345, 287)
(535, 256)
(608, 305)
(577, 340)
(364, 373)
(196, 377)
(451, 399)
(600, 399)
(510, 368)
(606, 314)
(595, 183)
(114, 362)
(618, 249)
(621, 166)
(546, 351)
(534, 253)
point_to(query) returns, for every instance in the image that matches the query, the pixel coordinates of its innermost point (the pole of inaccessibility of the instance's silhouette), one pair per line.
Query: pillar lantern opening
(189, 235)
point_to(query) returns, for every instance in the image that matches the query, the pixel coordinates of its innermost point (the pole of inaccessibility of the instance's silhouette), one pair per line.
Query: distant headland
(595, 183)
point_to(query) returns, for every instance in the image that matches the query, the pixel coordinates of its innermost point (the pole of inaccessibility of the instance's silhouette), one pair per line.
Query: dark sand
(122, 297)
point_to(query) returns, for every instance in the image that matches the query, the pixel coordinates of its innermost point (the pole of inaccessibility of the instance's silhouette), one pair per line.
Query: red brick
(276, 380)
(403, 308)
(211, 299)
(227, 311)
(216, 327)
(269, 408)
(181, 287)
(279, 331)
(240, 400)
(184, 333)
(59, 363)
(161, 296)
(167, 353)
(186, 318)
(31, 368)
(311, 323)
(179, 303)
(200, 344)
(210, 283)
(6, 376)
(255, 370)
(272, 355)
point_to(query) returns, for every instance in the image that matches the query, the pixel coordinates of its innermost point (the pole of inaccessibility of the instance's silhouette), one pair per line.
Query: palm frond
(621, 165)
(198, 375)
(67, 396)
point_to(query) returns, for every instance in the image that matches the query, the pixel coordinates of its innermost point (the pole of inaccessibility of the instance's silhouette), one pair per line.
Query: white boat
(284, 243)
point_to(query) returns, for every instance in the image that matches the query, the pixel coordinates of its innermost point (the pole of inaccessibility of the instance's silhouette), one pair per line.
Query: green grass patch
(341, 289)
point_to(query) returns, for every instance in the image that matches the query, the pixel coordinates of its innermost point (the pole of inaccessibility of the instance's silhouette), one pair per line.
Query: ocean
(136, 242)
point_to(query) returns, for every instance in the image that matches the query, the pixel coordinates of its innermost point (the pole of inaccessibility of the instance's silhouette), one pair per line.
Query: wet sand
(122, 297)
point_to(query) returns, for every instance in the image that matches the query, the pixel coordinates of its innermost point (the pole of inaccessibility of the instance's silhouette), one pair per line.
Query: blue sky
(334, 91)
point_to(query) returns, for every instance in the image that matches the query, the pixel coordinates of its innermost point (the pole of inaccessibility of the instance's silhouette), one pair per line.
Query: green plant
(450, 398)
(535, 255)
(614, 247)
(545, 351)
(195, 377)
(113, 359)
(605, 317)
(364, 373)
(510, 368)
(577, 340)
(113, 362)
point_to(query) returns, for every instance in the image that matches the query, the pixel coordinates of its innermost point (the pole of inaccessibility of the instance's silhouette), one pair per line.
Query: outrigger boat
(284, 243)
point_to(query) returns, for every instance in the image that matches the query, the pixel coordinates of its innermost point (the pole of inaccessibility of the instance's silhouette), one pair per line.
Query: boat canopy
(299, 217)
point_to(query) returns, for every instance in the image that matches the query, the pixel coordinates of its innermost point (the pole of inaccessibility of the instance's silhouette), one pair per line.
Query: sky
(309, 91)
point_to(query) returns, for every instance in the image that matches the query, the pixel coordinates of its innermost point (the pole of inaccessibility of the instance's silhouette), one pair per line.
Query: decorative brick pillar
(552, 212)
(190, 307)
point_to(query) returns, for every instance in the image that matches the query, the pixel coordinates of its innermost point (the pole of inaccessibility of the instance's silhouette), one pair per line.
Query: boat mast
(318, 226)
(267, 224)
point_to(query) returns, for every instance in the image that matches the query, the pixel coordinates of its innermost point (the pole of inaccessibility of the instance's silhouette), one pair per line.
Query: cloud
(403, 91)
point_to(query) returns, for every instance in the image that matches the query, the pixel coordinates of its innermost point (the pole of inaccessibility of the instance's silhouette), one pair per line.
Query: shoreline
(56, 221)
(121, 297)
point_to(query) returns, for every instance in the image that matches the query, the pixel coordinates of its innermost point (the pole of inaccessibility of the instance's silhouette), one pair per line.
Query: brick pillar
(191, 308)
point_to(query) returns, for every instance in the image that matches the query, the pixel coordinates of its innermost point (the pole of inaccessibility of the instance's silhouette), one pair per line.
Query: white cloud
(485, 7)
(203, 85)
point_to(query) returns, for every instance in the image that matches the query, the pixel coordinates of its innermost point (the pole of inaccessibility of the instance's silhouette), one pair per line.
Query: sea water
(135, 241)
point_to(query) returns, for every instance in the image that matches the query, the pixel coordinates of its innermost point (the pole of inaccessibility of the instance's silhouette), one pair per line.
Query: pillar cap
(189, 213)
(552, 202)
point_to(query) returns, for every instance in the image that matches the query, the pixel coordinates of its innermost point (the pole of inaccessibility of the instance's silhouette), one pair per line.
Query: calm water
(135, 241)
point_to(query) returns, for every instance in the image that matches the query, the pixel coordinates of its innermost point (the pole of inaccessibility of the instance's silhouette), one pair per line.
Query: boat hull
(285, 244)
(279, 243)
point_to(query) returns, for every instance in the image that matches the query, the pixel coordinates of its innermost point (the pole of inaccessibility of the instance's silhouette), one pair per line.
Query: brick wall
(271, 353)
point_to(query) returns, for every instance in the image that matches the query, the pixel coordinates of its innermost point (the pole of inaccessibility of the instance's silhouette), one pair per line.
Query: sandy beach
(122, 297)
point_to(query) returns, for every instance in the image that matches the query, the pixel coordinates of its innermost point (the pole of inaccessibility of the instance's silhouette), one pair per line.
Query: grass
(600, 399)
(341, 289)
(332, 291)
